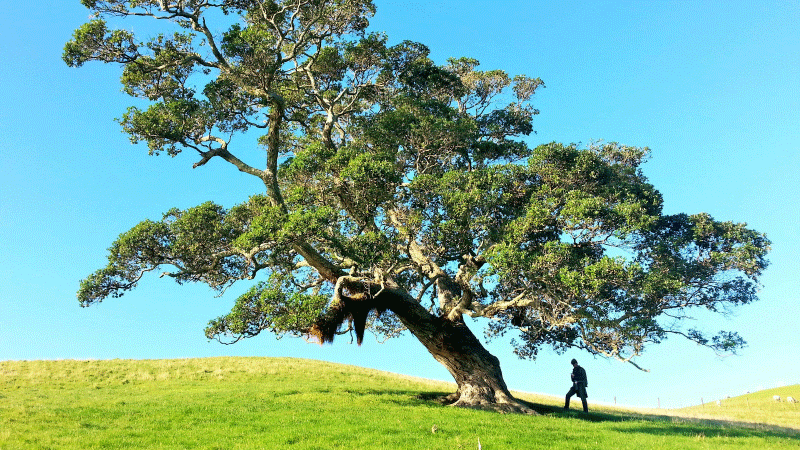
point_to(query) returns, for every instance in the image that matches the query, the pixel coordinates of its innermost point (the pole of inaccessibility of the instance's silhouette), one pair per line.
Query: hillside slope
(256, 403)
(756, 407)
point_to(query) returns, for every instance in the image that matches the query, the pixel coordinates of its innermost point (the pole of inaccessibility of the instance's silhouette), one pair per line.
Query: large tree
(398, 195)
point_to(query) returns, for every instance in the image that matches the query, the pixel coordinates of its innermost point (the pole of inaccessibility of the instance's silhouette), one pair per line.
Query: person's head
(574, 362)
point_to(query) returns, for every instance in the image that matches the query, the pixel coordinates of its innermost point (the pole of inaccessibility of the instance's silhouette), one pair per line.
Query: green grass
(757, 407)
(267, 403)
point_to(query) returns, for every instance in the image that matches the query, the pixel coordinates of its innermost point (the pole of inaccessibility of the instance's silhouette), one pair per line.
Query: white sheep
(777, 398)
(791, 400)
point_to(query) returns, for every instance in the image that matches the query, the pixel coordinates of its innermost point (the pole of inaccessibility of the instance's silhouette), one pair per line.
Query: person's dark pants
(580, 391)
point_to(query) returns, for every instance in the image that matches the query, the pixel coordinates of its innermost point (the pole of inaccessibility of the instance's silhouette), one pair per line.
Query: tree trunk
(476, 371)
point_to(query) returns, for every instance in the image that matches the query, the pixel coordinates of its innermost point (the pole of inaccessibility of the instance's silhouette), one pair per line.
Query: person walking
(579, 385)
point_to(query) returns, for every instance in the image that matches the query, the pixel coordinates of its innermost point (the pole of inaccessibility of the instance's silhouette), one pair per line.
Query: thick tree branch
(223, 153)
(323, 266)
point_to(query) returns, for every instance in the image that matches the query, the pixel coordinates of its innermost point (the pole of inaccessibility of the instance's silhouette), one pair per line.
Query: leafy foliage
(268, 306)
(405, 179)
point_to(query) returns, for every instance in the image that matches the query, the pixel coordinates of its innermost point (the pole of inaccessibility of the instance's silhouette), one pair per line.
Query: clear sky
(712, 87)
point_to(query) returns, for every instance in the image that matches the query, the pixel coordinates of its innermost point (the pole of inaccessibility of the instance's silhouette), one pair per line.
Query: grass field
(267, 403)
(757, 407)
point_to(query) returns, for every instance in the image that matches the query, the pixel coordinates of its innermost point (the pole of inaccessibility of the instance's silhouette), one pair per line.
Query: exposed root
(507, 406)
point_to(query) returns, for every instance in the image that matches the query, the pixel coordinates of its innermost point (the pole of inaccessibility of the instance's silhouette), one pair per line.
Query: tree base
(505, 406)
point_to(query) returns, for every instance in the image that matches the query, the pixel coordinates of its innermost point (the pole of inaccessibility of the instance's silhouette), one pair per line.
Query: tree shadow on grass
(546, 410)
(400, 397)
(662, 425)
(674, 426)
(382, 392)
(558, 411)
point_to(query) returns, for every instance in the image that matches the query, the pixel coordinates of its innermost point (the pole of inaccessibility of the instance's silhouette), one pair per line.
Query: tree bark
(476, 371)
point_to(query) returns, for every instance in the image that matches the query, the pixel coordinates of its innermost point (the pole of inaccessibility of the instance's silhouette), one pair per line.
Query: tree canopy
(398, 193)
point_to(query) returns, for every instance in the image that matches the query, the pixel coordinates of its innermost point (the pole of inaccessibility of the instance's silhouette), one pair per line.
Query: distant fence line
(718, 403)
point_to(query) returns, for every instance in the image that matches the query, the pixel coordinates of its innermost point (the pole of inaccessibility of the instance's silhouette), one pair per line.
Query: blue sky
(712, 87)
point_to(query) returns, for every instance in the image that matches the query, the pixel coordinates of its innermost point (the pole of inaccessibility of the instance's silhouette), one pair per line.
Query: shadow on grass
(662, 425)
(683, 426)
(545, 410)
(557, 411)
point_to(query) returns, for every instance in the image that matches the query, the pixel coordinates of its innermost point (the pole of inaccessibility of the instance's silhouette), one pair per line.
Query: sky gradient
(712, 87)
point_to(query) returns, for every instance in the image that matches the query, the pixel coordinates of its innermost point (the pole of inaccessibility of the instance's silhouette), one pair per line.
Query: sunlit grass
(758, 407)
(255, 403)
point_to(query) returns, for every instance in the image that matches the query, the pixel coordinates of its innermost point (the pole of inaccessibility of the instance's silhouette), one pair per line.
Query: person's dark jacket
(579, 376)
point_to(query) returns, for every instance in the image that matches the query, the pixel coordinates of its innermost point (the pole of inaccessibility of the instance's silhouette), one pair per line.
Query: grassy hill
(268, 403)
(756, 407)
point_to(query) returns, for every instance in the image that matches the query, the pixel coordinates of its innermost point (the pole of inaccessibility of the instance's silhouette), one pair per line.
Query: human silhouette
(579, 385)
